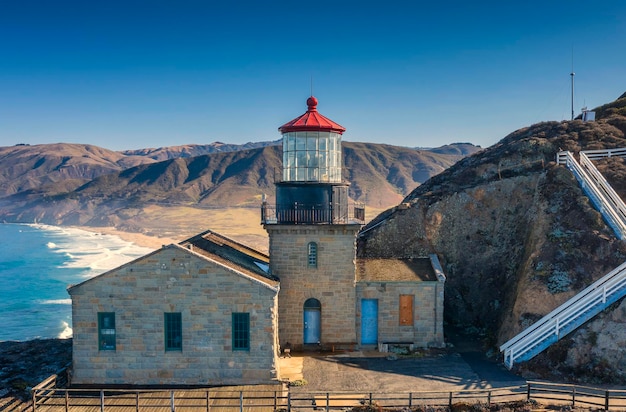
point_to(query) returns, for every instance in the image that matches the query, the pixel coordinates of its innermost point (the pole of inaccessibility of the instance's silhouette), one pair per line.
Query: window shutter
(406, 310)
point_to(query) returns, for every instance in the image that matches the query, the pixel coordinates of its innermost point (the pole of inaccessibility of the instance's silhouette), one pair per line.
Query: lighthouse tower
(312, 235)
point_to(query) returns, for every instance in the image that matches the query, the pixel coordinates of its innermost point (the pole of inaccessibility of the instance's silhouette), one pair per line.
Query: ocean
(38, 263)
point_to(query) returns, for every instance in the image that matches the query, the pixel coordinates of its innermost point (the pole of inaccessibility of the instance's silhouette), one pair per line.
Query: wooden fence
(270, 398)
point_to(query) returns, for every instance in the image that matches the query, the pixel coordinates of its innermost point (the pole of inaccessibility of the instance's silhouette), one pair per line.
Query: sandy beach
(139, 239)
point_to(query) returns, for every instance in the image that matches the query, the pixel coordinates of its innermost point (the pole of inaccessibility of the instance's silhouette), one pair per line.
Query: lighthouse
(312, 235)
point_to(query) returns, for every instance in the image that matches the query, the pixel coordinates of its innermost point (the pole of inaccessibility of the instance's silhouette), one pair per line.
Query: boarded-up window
(406, 310)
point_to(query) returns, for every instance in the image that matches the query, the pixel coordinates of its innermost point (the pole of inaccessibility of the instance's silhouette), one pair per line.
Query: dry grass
(169, 224)
(181, 222)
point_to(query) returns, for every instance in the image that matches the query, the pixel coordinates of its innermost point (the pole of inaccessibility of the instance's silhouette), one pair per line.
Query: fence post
(275, 400)
(67, 401)
(172, 407)
(137, 401)
(34, 400)
(410, 399)
(370, 398)
(101, 401)
(606, 400)
(240, 401)
(528, 392)
(450, 400)
(289, 401)
(208, 401)
(489, 398)
(327, 402)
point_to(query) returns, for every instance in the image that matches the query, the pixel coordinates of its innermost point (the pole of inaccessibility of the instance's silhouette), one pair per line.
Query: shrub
(559, 281)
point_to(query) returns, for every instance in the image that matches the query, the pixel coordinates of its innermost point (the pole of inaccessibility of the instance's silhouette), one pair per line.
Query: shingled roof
(395, 270)
(231, 253)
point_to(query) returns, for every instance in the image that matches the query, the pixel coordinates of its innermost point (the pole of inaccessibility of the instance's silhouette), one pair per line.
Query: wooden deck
(253, 398)
(14, 404)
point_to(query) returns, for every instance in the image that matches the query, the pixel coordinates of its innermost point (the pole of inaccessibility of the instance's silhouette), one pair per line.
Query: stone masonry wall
(332, 282)
(427, 328)
(173, 280)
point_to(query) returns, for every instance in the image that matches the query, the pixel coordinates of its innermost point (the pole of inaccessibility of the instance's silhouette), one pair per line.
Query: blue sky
(134, 74)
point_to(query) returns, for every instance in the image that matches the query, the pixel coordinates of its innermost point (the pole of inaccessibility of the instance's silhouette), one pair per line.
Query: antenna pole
(572, 74)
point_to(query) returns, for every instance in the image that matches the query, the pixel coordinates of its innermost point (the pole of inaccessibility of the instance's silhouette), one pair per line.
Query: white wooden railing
(602, 293)
(566, 317)
(599, 154)
(608, 203)
(610, 197)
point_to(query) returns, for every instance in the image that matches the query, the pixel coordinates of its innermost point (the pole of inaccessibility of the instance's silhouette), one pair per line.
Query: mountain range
(79, 184)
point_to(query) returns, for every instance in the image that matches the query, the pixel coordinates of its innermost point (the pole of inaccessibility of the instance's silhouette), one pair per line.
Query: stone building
(201, 312)
(212, 311)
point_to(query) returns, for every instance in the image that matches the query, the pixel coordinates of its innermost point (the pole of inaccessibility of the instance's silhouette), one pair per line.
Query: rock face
(517, 237)
(25, 364)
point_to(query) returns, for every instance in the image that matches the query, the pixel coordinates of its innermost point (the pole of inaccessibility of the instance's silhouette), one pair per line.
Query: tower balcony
(312, 214)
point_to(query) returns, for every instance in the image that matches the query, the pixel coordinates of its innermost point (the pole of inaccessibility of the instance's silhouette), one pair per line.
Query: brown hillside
(193, 150)
(516, 234)
(27, 167)
(381, 175)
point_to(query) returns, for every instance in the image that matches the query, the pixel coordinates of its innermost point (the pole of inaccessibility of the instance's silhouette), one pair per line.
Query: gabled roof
(396, 270)
(231, 253)
(221, 250)
(311, 121)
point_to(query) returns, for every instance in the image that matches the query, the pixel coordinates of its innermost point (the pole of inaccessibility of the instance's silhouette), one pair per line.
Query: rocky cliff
(518, 237)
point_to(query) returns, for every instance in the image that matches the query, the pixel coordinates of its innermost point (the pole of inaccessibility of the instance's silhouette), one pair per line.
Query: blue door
(312, 326)
(312, 321)
(369, 321)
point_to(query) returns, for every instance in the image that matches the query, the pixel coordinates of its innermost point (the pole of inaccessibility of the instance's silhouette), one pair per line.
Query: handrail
(560, 318)
(269, 401)
(596, 193)
(594, 154)
(611, 196)
(295, 213)
(599, 294)
(600, 153)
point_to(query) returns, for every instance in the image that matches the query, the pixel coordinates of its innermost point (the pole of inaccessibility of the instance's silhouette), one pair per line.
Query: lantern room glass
(312, 157)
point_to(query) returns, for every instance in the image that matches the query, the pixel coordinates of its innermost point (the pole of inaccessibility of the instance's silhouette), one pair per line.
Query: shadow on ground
(437, 370)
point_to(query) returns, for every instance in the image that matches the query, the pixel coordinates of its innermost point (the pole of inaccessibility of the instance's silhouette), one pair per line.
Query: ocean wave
(57, 302)
(67, 331)
(93, 253)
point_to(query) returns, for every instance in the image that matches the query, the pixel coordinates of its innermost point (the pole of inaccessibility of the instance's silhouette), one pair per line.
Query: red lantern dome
(311, 121)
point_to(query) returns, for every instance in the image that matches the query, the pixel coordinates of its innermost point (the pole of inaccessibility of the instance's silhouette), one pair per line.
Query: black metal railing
(305, 214)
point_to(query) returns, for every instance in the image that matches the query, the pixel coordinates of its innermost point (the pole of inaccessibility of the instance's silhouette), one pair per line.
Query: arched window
(312, 254)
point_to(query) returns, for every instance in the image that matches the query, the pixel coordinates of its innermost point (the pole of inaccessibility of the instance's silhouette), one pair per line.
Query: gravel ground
(374, 372)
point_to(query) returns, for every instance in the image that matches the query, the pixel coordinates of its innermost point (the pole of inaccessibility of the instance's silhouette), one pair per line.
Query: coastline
(139, 239)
